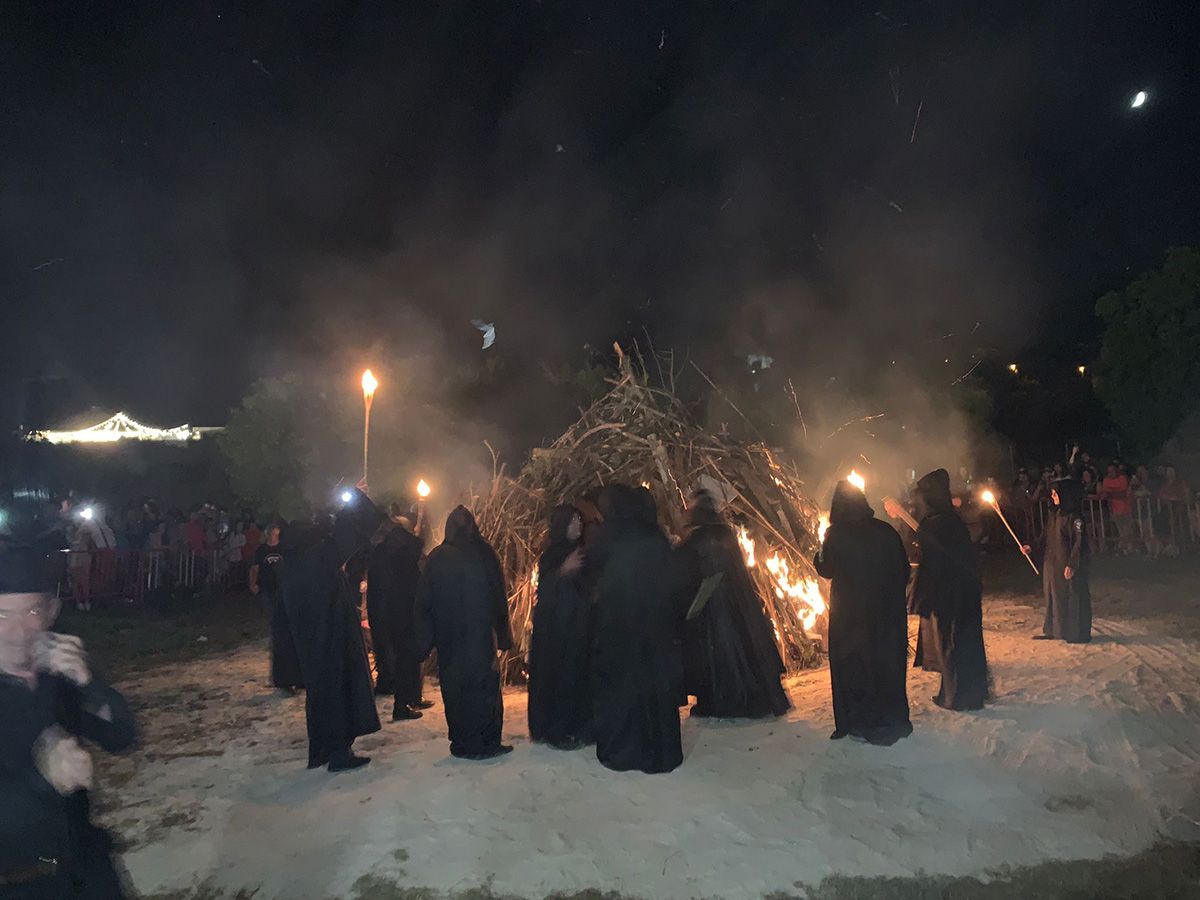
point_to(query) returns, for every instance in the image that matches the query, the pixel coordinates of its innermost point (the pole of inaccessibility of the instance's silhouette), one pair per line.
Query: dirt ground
(216, 803)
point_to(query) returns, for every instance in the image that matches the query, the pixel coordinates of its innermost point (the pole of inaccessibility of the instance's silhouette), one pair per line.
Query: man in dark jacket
(948, 596)
(321, 572)
(49, 701)
(462, 611)
(393, 571)
(636, 664)
(868, 628)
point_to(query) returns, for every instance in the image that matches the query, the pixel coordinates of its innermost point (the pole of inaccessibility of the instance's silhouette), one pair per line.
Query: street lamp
(369, 384)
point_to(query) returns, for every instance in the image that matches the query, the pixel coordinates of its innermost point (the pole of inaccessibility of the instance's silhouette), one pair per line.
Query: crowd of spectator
(1134, 508)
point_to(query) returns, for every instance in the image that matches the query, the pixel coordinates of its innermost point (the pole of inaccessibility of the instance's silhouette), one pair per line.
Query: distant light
(1012, 367)
(1139, 100)
(87, 513)
(1082, 370)
(347, 496)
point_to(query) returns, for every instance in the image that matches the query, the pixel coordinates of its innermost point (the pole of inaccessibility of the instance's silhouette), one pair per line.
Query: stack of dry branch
(642, 434)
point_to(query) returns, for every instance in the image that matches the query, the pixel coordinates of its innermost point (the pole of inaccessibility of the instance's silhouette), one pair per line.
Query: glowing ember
(369, 383)
(822, 527)
(747, 545)
(857, 480)
(423, 489)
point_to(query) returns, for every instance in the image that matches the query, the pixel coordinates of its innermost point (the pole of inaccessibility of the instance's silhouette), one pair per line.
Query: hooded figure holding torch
(948, 596)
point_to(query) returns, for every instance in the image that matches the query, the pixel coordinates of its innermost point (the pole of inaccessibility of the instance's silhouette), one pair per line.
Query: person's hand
(1068, 573)
(63, 654)
(892, 507)
(61, 761)
(572, 563)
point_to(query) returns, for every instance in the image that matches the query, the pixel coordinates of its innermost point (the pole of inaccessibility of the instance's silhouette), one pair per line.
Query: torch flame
(423, 489)
(857, 480)
(369, 383)
(988, 497)
(822, 527)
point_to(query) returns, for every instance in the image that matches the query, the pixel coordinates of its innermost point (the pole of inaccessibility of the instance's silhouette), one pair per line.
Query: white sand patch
(1087, 750)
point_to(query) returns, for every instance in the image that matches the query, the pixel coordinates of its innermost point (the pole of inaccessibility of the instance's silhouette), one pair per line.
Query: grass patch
(122, 640)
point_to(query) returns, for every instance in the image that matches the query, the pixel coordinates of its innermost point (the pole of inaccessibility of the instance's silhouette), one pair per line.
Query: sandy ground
(1087, 750)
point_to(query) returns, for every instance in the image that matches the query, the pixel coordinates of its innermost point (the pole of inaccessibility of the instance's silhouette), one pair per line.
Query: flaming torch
(990, 499)
(423, 492)
(857, 480)
(369, 384)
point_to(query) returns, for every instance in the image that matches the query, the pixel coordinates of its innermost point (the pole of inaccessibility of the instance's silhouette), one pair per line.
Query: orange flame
(822, 527)
(857, 480)
(988, 497)
(369, 383)
(423, 489)
(803, 593)
(747, 545)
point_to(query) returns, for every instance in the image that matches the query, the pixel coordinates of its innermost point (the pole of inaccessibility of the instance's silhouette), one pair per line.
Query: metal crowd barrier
(1156, 523)
(130, 576)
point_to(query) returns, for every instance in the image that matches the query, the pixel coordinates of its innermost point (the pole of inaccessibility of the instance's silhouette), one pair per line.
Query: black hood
(461, 527)
(703, 511)
(849, 505)
(1070, 495)
(355, 524)
(935, 488)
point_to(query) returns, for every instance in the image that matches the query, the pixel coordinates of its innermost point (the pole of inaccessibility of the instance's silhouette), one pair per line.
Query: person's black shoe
(422, 704)
(1043, 637)
(405, 714)
(348, 762)
(501, 750)
(837, 735)
(572, 743)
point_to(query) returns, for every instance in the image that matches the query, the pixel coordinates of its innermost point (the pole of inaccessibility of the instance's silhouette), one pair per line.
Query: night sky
(199, 194)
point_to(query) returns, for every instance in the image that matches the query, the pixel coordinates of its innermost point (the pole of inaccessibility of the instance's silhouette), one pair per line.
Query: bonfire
(641, 433)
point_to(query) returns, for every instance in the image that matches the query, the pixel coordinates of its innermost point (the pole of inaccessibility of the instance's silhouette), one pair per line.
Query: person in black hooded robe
(462, 611)
(560, 693)
(321, 574)
(868, 623)
(1065, 567)
(393, 572)
(948, 597)
(636, 665)
(731, 662)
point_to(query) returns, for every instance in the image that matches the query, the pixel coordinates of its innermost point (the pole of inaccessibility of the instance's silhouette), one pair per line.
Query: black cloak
(560, 693)
(322, 605)
(393, 571)
(1068, 603)
(286, 670)
(636, 665)
(462, 611)
(731, 662)
(868, 626)
(948, 596)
